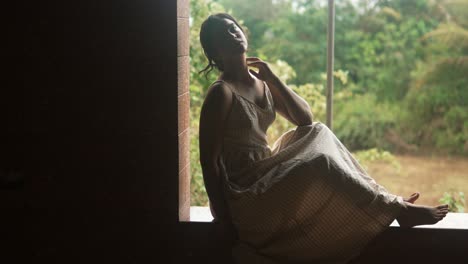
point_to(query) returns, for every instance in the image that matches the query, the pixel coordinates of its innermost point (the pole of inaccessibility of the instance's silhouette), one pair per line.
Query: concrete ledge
(446, 242)
(200, 214)
(451, 221)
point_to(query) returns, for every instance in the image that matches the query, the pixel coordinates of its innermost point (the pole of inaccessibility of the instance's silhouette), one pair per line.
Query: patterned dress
(303, 200)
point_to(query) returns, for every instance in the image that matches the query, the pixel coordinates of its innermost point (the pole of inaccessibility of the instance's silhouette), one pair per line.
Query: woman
(304, 199)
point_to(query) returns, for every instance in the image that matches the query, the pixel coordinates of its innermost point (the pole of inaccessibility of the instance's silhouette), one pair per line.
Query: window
(385, 38)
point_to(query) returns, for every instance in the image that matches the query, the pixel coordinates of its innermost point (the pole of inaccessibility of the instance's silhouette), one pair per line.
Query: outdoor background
(401, 83)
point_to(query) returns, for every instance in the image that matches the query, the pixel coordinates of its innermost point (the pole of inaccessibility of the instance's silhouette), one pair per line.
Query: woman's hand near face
(287, 103)
(264, 72)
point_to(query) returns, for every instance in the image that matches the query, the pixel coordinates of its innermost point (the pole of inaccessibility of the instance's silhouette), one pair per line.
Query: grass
(430, 176)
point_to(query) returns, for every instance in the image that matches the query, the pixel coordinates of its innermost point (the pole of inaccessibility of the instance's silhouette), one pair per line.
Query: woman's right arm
(215, 109)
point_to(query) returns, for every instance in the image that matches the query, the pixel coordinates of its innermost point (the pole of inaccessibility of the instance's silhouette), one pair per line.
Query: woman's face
(229, 39)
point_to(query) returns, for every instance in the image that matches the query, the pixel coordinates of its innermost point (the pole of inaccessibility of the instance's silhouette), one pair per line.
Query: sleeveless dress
(303, 200)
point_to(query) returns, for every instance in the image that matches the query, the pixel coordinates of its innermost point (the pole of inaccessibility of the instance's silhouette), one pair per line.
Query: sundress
(305, 199)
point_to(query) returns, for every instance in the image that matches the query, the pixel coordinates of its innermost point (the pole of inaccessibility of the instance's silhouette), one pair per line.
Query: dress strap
(230, 87)
(266, 91)
(227, 84)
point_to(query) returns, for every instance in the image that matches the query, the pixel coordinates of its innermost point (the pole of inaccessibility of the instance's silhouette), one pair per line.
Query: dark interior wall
(91, 124)
(89, 161)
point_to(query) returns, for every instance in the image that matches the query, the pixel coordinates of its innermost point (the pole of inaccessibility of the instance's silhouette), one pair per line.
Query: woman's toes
(412, 198)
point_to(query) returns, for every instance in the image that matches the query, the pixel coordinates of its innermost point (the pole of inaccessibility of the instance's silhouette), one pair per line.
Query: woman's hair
(207, 31)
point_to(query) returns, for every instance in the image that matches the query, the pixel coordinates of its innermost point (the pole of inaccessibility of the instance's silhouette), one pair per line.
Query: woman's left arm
(287, 102)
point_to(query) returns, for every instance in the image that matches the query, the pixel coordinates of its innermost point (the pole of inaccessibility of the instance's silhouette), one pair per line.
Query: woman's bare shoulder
(218, 95)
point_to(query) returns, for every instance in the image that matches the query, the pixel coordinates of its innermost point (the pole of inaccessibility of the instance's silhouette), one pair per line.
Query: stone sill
(451, 221)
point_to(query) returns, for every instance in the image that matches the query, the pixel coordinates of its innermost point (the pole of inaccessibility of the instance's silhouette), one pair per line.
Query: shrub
(455, 201)
(361, 122)
(365, 157)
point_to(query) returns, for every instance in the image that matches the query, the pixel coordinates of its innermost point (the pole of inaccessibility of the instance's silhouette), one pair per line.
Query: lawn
(431, 176)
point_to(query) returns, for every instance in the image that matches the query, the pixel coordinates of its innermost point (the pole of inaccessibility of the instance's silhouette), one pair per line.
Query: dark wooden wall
(89, 135)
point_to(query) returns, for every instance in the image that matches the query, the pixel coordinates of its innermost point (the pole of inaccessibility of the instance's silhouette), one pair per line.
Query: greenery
(366, 157)
(455, 201)
(400, 85)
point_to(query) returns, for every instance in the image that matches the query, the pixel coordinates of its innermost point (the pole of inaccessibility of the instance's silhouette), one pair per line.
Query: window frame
(183, 100)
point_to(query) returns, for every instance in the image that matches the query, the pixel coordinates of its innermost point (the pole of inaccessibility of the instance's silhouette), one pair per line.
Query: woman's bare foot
(412, 198)
(414, 215)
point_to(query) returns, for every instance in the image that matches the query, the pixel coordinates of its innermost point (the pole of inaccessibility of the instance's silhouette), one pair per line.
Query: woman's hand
(224, 227)
(226, 231)
(287, 103)
(264, 72)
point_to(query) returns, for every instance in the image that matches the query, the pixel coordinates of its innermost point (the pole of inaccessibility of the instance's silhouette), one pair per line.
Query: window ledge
(200, 214)
(451, 221)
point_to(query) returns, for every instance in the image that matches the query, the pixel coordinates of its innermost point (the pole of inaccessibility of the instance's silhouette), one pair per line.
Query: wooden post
(330, 61)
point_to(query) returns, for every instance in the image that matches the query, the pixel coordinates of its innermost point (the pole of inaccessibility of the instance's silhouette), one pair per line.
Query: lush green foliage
(402, 84)
(375, 155)
(455, 201)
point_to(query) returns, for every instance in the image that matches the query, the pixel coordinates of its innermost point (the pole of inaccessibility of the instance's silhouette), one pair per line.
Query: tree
(439, 95)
